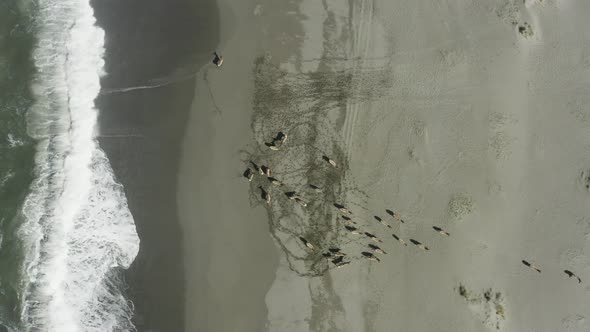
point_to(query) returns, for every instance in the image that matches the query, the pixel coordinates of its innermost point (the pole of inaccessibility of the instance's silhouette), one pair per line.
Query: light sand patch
(574, 321)
(292, 315)
(258, 10)
(508, 11)
(584, 224)
(327, 311)
(494, 187)
(499, 140)
(573, 257)
(499, 144)
(579, 108)
(452, 57)
(488, 306)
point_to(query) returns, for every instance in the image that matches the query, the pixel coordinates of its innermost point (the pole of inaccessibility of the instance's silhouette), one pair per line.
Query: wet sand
(151, 59)
(471, 117)
(230, 256)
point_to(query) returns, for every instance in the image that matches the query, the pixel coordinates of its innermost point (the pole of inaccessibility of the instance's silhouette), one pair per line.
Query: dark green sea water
(16, 149)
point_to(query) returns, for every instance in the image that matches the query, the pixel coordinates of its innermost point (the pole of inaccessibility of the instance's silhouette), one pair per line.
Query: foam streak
(78, 231)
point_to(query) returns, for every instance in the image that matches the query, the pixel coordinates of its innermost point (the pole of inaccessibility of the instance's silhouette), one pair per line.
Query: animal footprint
(584, 180)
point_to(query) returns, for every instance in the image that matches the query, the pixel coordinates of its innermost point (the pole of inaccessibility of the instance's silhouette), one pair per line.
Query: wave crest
(78, 230)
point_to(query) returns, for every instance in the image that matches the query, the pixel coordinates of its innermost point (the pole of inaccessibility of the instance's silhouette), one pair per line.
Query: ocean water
(16, 152)
(67, 232)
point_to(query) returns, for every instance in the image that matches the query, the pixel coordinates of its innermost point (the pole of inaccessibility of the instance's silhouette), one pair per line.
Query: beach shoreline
(144, 103)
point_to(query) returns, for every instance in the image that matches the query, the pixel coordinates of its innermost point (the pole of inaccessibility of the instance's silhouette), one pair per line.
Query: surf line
(121, 136)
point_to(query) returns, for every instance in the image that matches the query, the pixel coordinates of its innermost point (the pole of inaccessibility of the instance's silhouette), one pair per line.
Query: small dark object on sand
(376, 249)
(307, 244)
(248, 174)
(370, 256)
(280, 138)
(352, 229)
(265, 170)
(400, 240)
(571, 274)
(300, 201)
(419, 244)
(395, 216)
(277, 142)
(274, 181)
(531, 266)
(441, 231)
(217, 60)
(330, 161)
(337, 260)
(463, 291)
(341, 264)
(342, 208)
(316, 188)
(272, 146)
(256, 167)
(265, 195)
(372, 237)
(385, 223)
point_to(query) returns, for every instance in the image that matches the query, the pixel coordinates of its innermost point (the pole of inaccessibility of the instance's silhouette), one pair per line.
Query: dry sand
(452, 113)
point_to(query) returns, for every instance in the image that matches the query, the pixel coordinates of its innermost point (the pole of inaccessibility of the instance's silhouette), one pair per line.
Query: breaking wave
(78, 231)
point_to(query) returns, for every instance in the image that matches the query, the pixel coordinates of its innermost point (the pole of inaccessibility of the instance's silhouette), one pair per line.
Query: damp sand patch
(460, 205)
(298, 104)
(487, 305)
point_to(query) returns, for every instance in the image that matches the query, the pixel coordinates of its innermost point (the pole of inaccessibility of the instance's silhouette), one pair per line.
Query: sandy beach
(144, 105)
(471, 117)
(230, 257)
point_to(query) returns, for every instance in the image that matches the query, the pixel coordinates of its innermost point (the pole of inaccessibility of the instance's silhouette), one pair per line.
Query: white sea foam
(5, 178)
(13, 142)
(78, 231)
